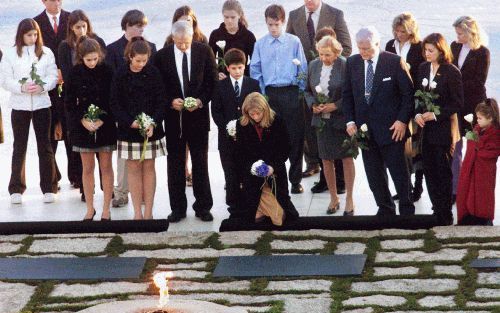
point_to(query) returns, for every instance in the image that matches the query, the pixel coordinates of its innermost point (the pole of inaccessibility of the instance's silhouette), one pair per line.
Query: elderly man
(304, 22)
(188, 69)
(378, 92)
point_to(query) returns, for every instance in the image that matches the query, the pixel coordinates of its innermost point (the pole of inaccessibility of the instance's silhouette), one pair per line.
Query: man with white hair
(188, 69)
(378, 92)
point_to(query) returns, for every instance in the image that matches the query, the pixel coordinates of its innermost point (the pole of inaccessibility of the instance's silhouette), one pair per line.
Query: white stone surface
(329, 233)
(435, 301)
(70, 245)
(7, 247)
(82, 235)
(297, 245)
(166, 238)
(487, 293)
(494, 304)
(14, 296)
(446, 232)
(449, 270)
(187, 274)
(363, 310)
(187, 253)
(182, 266)
(50, 255)
(401, 232)
(380, 300)
(488, 278)
(401, 244)
(472, 244)
(441, 312)
(489, 254)
(181, 285)
(350, 248)
(87, 303)
(240, 237)
(12, 238)
(108, 288)
(406, 285)
(395, 271)
(420, 256)
(260, 309)
(302, 285)
(307, 305)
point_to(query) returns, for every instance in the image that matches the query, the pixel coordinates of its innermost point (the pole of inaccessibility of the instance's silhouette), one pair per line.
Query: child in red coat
(476, 185)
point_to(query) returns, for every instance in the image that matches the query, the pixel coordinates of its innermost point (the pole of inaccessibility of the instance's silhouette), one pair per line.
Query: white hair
(368, 33)
(182, 29)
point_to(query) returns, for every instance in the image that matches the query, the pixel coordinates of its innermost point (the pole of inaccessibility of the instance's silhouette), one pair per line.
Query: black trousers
(375, 161)
(232, 177)
(438, 178)
(176, 160)
(21, 121)
(285, 102)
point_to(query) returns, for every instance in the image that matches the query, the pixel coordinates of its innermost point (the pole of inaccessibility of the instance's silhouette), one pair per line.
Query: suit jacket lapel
(302, 28)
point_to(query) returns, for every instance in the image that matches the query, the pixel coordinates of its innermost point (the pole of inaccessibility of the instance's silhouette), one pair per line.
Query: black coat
(226, 106)
(450, 91)
(84, 87)
(65, 58)
(114, 52)
(51, 39)
(273, 150)
(201, 85)
(414, 58)
(134, 93)
(243, 40)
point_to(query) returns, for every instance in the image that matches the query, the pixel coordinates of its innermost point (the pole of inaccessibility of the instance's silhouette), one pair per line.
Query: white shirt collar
(375, 61)
(240, 81)
(179, 52)
(51, 17)
(404, 51)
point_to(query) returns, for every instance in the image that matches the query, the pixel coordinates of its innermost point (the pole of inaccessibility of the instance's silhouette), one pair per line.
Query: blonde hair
(409, 24)
(474, 33)
(235, 5)
(330, 42)
(256, 101)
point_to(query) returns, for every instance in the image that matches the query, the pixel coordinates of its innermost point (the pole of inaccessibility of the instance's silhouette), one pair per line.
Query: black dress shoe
(205, 216)
(349, 213)
(385, 212)
(319, 187)
(297, 188)
(311, 170)
(174, 218)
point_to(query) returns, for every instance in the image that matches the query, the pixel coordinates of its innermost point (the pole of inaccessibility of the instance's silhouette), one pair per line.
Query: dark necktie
(369, 80)
(310, 28)
(236, 89)
(185, 74)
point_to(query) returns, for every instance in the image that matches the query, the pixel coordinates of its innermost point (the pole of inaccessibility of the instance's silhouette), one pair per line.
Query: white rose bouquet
(231, 129)
(92, 115)
(190, 103)
(426, 99)
(359, 140)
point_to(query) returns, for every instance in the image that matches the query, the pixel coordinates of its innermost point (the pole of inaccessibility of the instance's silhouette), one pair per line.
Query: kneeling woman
(262, 135)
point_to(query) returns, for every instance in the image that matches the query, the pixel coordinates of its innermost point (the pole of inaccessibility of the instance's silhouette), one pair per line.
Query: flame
(161, 281)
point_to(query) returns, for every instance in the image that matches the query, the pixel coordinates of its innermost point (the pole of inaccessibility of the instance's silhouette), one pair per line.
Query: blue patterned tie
(369, 81)
(236, 89)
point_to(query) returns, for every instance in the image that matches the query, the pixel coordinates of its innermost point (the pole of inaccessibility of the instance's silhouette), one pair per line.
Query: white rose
(364, 128)
(221, 44)
(469, 118)
(408, 65)
(296, 62)
(231, 128)
(433, 85)
(318, 89)
(425, 82)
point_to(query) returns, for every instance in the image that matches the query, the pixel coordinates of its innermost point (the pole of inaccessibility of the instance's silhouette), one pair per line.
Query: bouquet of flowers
(221, 63)
(231, 128)
(93, 114)
(425, 99)
(144, 121)
(268, 204)
(359, 140)
(190, 103)
(471, 134)
(34, 76)
(260, 169)
(322, 99)
(301, 75)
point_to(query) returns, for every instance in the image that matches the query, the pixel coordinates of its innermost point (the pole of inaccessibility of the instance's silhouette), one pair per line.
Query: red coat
(476, 185)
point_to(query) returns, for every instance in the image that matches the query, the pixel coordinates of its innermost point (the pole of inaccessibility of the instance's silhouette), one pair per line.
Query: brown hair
(86, 45)
(235, 5)
(256, 101)
(73, 18)
(134, 17)
(438, 41)
(409, 24)
(276, 12)
(235, 56)
(197, 33)
(25, 26)
(489, 109)
(137, 45)
(325, 31)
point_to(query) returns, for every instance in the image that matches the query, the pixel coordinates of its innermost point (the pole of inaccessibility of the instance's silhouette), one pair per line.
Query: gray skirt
(95, 150)
(330, 140)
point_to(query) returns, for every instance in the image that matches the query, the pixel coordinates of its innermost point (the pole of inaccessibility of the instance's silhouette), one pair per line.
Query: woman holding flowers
(138, 102)
(262, 135)
(324, 95)
(90, 122)
(441, 80)
(29, 72)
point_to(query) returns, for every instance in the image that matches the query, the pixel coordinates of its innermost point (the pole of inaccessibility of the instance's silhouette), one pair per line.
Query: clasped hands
(149, 131)
(178, 105)
(91, 126)
(32, 88)
(324, 108)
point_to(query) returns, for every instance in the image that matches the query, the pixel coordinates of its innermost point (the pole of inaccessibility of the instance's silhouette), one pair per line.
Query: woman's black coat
(414, 58)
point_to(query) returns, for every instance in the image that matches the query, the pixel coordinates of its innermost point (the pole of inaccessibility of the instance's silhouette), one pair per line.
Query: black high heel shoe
(90, 219)
(333, 210)
(106, 219)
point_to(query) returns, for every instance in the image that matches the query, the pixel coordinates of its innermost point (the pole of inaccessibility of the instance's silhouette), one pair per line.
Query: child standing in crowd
(234, 33)
(30, 101)
(226, 106)
(280, 66)
(88, 84)
(476, 186)
(137, 88)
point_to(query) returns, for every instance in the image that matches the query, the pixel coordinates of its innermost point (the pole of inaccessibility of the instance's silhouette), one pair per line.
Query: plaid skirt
(132, 150)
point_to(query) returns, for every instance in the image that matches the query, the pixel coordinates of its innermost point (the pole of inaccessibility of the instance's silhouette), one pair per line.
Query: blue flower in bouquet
(260, 169)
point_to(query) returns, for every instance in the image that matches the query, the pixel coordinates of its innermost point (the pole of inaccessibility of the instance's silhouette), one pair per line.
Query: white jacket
(14, 68)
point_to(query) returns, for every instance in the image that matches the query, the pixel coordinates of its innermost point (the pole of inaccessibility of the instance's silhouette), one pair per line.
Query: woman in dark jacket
(138, 88)
(439, 75)
(473, 59)
(261, 135)
(88, 84)
(232, 33)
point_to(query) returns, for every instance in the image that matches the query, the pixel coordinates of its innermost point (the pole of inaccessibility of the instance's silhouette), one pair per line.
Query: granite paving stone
(401, 244)
(380, 300)
(446, 232)
(329, 233)
(240, 237)
(12, 238)
(182, 266)
(420, 256)
(307, 305)
(350, 248)
(181, 285)
(297, 245)
(449, 270)
(302, 285)
(7, 247)
(488, 278)
(435, 301)
(363, 310)
(495, 304)
(401, 232)
(406, 285)
(393, 271)
(70, 245)
(489, 254)
(166, 238)
(14, 296)
(487, 293)
(107, 288)
(187, 274)
(179, 253)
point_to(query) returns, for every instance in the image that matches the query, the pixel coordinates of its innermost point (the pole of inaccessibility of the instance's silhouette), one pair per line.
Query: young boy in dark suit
(228, 98)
